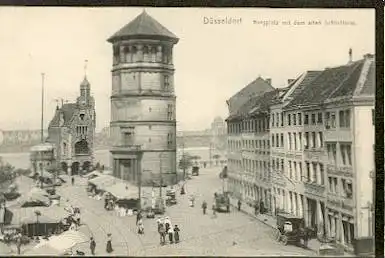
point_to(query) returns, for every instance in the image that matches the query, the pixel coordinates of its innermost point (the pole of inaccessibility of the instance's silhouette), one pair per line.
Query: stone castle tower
(143, 123)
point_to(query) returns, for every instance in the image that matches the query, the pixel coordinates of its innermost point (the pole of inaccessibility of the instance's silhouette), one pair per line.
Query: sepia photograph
(128, 131)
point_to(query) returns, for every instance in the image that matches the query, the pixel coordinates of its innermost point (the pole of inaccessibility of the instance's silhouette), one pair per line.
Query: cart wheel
(284, 240)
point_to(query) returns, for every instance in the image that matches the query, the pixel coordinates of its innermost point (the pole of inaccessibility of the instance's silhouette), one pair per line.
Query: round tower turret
(143, 123)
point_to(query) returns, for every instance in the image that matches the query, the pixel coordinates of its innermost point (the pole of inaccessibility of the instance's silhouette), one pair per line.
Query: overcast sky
(212, 62)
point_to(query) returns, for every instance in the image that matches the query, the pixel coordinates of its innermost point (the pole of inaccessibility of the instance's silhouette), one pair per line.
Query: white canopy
(123, 191)
(58, 245)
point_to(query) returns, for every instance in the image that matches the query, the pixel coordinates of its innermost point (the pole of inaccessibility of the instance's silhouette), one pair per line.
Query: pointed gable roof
(143, 26)
(68, 110)
(256, 88)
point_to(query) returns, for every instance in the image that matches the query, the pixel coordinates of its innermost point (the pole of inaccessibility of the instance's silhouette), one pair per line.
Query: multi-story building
(143, 123)
(338, 153)
(72, 131)
(249, 150)
(321, 150)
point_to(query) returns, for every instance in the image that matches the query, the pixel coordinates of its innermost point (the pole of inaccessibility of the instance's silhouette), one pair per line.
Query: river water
(21, 160)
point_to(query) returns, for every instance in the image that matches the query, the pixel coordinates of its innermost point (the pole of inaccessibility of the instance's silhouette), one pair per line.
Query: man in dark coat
(239, 205)
(92, 246)
(204, 207)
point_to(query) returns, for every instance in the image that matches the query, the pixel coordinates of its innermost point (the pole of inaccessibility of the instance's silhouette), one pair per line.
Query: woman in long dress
(109, 244)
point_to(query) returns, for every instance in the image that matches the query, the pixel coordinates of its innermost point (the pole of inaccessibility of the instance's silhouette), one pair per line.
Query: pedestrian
(138, 216)
(239, 205)
(72, 180)
(162, 233)
(214, 210)
(18, 244)
(170, 233)
(92, 246)
(204, 207)
(261, 207)
(77, 216)
(256, 208)
(109, 244)
(176, 234)
(140, 226)
(167, 223)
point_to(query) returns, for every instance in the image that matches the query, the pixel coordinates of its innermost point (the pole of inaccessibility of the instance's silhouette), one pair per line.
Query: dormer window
(81, 116)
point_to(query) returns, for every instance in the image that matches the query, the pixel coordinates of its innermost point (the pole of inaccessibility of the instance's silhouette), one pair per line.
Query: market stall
(36, 197)
(37, 220)
(124, 195)
(102, 181)
(61, 244)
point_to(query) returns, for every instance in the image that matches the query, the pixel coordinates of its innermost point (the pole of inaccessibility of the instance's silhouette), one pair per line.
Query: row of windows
(148, 54)
(248, 144)
(342, 156)
(258, 125)
(309, 172)
(311, 140)
(316, 118)
(81, 130)
(340, 186)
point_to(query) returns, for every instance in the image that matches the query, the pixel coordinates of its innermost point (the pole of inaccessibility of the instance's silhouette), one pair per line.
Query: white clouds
(212, 61)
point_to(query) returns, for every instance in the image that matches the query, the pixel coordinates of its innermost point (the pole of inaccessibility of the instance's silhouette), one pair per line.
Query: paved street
(228, 234)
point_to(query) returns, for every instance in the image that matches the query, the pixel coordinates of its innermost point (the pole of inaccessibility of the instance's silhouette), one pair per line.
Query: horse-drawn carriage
(171, 197)
(291, 229)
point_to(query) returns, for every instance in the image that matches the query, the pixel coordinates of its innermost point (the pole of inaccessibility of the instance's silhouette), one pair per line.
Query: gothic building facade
(143, 123)
(72, 131)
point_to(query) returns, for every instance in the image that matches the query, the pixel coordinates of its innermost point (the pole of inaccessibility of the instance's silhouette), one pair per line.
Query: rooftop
(335, 83)
(143, 26)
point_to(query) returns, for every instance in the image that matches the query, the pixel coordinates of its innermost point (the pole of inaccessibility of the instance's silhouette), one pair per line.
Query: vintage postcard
(185, 132)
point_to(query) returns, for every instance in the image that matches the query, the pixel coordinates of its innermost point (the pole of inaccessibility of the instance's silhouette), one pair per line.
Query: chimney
(368, 56)
(350, 55)
(268, 80)
(289, 81)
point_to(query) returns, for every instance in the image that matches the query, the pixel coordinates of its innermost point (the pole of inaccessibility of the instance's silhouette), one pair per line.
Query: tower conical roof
(143, 26)
(85, 82)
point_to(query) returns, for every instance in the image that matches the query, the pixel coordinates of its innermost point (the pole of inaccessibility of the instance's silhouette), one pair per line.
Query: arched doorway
(86, 166)
(81, 147)
(75, 168)
(64, 167)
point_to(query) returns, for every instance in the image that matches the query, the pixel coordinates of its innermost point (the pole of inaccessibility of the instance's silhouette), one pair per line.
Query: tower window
(170, 112)
(166, 83)
(81, 116)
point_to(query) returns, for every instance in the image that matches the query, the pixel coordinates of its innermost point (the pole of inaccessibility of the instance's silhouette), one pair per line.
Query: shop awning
(94, 173)
(28, 216)
(103, 181)
(68, 239)
(123, 191)
(35, 195)
(59, 245)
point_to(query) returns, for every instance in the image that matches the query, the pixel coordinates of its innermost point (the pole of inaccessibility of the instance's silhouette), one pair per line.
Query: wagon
(291, 229)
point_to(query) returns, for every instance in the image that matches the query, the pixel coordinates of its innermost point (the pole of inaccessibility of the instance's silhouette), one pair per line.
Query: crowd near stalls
(35, 217)
(117, 194)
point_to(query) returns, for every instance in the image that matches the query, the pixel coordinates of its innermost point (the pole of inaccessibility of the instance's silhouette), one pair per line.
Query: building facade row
(311, 152)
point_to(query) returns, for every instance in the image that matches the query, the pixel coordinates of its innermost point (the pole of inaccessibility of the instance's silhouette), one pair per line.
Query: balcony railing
(316, 153)
(314, 188)
(340, 202)
(346, 171)
(126, 147)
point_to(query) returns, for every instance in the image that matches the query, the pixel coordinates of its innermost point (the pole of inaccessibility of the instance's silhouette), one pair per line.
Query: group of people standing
(165, 229)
